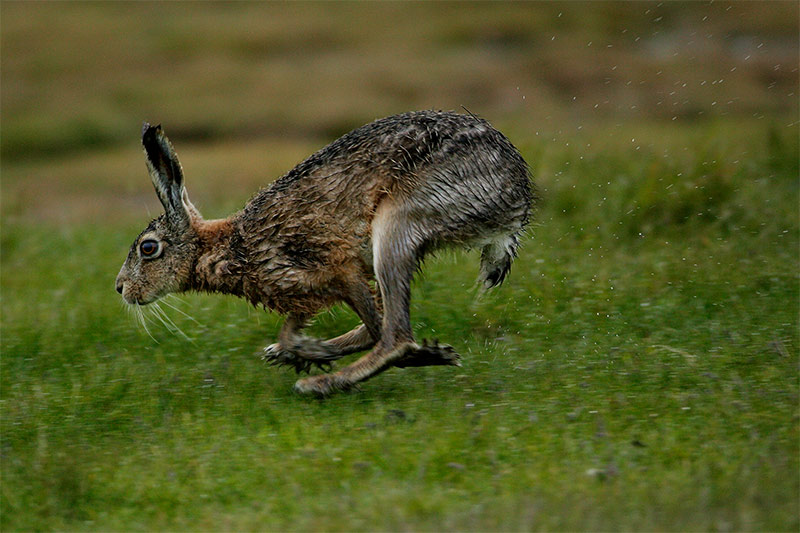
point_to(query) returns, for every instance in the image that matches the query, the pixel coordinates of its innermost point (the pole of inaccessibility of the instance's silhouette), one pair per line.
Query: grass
(637, 371)
(617, 381)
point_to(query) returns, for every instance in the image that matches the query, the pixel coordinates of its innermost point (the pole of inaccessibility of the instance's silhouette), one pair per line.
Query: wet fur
(350, 223)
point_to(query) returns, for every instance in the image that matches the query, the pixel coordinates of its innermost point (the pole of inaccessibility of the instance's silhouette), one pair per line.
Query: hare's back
(437, 161)
(399, 146)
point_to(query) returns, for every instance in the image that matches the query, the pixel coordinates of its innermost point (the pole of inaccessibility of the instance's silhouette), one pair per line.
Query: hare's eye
(150, 248)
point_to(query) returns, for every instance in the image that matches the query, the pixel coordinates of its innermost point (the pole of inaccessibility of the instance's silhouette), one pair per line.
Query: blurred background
(257, 85)
(637, 371)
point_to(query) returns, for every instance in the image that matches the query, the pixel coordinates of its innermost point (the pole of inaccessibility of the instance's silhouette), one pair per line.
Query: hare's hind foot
(303, 354)
(406, 355)
(323, 385)
(429, 354)
(369, 365)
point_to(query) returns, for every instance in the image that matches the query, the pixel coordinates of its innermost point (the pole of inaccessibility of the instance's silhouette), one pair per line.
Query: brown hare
(350, 224)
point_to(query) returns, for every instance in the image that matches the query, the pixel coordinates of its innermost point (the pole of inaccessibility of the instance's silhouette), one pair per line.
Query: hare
(350, 224)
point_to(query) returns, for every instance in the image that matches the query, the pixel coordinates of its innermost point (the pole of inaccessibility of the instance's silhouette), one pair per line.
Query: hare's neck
(216, 269)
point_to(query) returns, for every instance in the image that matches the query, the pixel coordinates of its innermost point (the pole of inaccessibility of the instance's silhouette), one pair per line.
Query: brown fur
(372, 203)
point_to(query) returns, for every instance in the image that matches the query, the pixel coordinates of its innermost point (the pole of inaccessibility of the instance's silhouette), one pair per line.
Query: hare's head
(163, 256)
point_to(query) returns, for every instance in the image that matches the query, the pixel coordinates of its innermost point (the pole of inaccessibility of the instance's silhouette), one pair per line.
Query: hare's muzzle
(120, 283)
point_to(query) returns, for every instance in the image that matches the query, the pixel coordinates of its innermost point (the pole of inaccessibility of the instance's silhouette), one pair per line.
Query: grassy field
(637, 371)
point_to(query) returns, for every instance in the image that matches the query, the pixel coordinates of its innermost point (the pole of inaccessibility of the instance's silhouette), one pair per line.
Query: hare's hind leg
(397, 246)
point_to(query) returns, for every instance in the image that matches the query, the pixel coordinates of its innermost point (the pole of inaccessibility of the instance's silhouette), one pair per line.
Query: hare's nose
(119, 287)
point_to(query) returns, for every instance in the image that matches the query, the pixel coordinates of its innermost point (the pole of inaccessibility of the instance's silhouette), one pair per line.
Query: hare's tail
(496, 259)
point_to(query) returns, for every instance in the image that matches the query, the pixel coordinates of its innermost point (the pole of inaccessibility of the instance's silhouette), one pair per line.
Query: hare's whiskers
(143, 321)
(167, 321)
(166, 302)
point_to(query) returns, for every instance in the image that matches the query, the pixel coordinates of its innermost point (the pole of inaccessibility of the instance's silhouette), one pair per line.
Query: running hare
(350, 224)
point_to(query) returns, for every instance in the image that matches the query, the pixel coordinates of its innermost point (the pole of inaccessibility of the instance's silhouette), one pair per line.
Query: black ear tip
(149, 132)
(150, 141)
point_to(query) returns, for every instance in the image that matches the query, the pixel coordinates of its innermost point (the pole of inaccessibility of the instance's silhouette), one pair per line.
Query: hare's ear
(167, 175)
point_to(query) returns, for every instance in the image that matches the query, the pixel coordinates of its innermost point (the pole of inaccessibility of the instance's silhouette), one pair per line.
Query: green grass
(637, 371)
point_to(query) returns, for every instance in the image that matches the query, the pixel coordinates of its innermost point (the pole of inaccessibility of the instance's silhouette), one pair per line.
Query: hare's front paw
(277, 356)
(299, 356)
